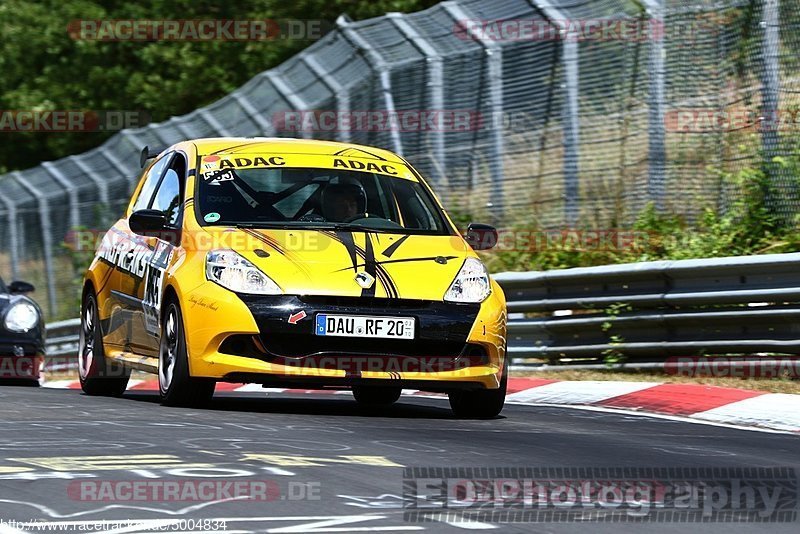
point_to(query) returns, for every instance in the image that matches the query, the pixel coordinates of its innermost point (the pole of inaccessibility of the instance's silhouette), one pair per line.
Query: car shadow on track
(19, 382)
(332, 406)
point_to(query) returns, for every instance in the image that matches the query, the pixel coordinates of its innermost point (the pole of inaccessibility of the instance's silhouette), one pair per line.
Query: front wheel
(98, 376)
(176, 386)
(375, 395)
(483, 403)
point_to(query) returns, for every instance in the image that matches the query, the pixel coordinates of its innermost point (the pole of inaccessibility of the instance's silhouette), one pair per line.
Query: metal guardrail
(652, 310)
(61, 345)
(645, 311)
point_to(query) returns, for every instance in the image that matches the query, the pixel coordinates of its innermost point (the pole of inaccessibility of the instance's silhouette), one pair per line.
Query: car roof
(286, 145)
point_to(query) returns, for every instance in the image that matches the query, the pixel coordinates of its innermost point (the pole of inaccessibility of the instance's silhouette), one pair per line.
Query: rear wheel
(375, 395)
(177, 387)
(482, 403)
(98, 376)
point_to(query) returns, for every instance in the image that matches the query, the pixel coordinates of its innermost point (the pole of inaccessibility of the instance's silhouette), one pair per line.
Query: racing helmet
(335, 194)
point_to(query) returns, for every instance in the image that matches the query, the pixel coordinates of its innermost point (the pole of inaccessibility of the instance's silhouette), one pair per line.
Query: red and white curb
(694, 402)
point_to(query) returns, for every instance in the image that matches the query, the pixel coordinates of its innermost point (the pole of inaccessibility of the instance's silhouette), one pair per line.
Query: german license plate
(365, 326)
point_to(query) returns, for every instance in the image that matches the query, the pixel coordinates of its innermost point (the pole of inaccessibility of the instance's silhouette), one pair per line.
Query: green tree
(46, 69)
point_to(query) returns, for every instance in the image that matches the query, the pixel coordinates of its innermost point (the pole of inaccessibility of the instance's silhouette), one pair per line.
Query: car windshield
(317, 198)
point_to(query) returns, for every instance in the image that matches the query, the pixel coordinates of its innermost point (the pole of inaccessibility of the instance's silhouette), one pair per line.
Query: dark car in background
(22, 334)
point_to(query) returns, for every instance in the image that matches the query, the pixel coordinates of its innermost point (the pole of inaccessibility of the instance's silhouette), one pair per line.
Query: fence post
(494, 68)
(770, 95)
(13, 239)
(380, 66)
(47, 238)
(333, 85)
(435, 87)
(571, 132)
(571, 109)
(656, 183)
(72, 191)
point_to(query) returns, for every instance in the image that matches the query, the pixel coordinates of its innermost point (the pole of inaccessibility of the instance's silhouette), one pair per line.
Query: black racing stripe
(407, 260)
(346, 239)
(369, 266)
(297, 261)
(388, 283)
(391, 249)
(382, 274)
(386, 280)
(264, 239)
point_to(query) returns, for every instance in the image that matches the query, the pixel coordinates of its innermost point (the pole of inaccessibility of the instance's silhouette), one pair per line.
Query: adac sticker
(211, 217)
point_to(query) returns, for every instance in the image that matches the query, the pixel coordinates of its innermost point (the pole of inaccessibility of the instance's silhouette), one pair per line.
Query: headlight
(234, 272)
(471, 285)
(21, 317)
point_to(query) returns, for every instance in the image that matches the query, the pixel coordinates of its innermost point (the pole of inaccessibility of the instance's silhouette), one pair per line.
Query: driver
(342, 202)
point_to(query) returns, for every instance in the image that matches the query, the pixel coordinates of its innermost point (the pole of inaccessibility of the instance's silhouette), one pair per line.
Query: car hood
(314, 262)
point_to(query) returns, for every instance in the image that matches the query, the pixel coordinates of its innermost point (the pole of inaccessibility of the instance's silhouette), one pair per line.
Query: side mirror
(481, 236)
(18, 288)
(147, 222)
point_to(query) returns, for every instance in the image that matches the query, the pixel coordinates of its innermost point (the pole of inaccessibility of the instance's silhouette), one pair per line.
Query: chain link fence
(580, 113)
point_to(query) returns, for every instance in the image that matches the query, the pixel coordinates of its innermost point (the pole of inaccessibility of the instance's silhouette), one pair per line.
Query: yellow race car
(289, 262)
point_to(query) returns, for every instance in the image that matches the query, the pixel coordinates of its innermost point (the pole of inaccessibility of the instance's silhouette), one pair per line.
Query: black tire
(376, 395)
(176, 386)
(482, 403)
(98, 376)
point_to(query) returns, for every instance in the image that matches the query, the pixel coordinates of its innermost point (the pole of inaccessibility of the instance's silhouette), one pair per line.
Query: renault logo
(365, 280)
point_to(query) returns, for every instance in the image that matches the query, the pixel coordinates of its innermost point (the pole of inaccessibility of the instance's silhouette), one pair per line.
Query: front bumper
(456, 346)
(21, 358)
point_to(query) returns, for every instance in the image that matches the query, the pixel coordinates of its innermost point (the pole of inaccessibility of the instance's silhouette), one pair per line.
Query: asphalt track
(346, 457)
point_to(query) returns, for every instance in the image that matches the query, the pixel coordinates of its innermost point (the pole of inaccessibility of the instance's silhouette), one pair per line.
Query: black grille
(293, 346)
